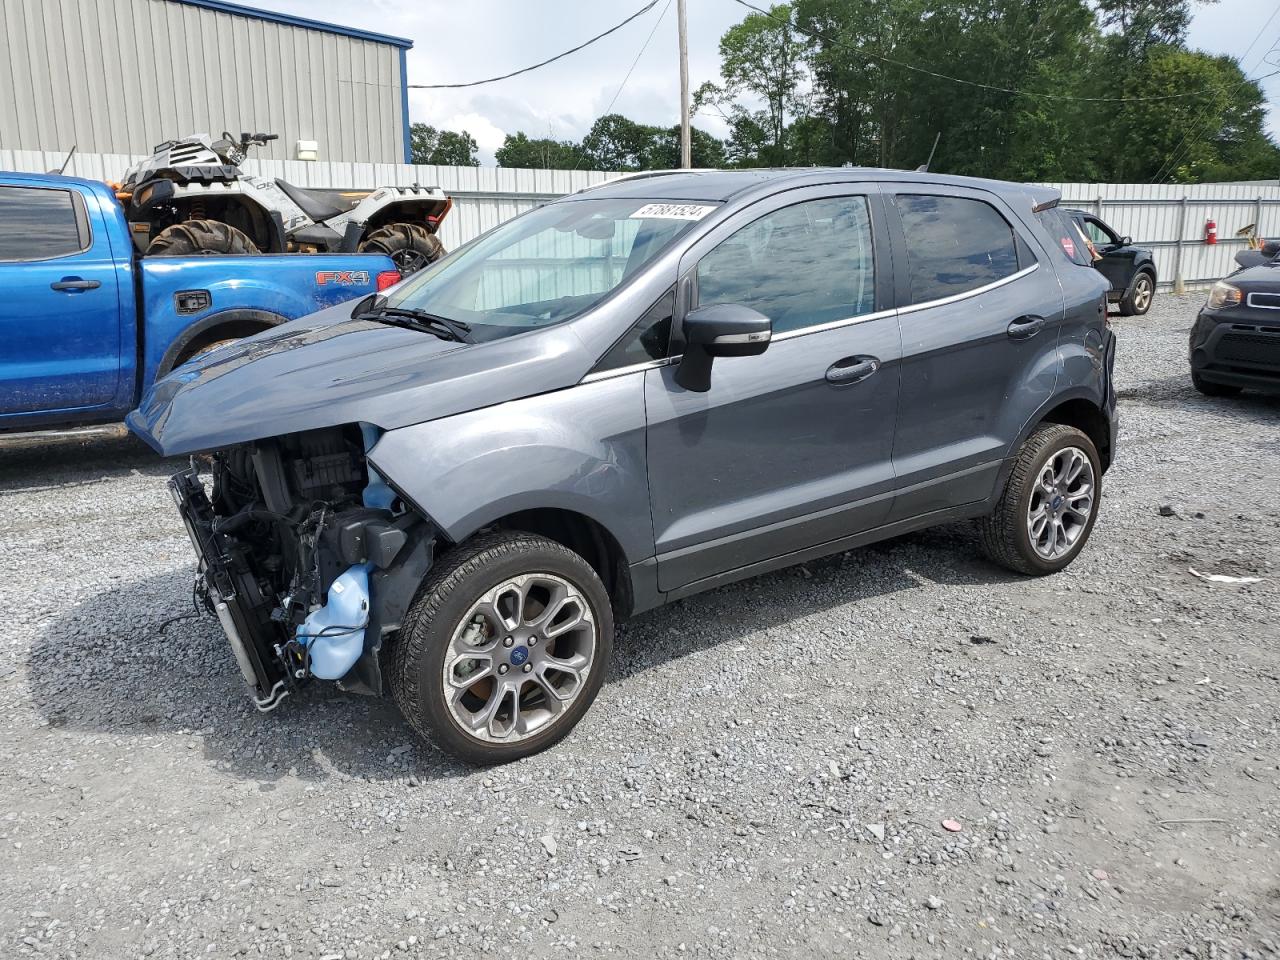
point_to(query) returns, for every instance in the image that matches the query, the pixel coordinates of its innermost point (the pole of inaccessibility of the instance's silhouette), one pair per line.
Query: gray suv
(452, 492)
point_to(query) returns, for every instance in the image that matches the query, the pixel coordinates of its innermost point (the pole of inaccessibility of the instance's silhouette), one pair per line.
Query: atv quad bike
(190, 198)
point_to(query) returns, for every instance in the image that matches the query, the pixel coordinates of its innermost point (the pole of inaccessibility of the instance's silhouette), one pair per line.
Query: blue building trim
(404, 107)
(222, 6)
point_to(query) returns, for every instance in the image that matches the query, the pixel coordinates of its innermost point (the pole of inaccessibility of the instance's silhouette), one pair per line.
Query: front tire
(1211, 389)
(196, 238)
(503, 649)
(1137, 301)
(410, 246)
(1049, 504)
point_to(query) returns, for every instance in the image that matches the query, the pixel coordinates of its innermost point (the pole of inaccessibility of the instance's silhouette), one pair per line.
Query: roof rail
(644, 175)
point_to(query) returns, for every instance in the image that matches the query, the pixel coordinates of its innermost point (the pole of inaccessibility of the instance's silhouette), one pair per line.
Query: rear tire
(482, 687)
(1137, 300)
(1043, 494)
(1211, 389)
(410, 246)
(200, 238)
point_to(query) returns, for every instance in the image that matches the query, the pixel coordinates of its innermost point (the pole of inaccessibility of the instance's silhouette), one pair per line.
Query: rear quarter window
(1066, 234)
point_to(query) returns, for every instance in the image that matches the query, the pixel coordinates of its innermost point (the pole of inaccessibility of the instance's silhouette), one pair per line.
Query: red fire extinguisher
(1211, 231)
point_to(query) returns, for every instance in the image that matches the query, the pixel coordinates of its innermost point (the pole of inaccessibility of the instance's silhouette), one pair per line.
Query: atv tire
(410, 246)
(201, 238)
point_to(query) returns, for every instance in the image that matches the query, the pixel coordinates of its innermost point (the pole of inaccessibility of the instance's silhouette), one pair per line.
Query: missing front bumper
(233, 593)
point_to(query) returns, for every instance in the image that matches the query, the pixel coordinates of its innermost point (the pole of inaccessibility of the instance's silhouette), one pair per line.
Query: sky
(458, 42)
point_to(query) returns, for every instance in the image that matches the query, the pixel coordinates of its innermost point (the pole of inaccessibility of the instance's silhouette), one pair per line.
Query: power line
(973, 83)
(617, 93)
(559, 56)
(645, 46)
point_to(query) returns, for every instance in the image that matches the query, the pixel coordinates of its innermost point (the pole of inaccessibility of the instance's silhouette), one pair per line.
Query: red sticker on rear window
(1068, 246)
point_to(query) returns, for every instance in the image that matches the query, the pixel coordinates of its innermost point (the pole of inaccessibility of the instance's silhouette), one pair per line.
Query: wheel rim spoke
(1061, 503)
(520, 657)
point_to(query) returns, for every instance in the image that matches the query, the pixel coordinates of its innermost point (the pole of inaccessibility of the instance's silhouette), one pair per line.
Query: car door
(59, 302)
(980, 309)
(1117, 257)
(790, 448)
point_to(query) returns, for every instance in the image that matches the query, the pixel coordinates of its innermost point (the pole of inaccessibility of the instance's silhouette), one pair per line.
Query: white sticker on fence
(672, 211)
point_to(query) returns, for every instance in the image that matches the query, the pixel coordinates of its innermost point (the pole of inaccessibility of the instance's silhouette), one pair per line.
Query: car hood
(327, 369)
(1264, 277)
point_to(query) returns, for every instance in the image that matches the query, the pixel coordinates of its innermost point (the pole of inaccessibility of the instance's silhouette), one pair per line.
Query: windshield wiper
(413, 319)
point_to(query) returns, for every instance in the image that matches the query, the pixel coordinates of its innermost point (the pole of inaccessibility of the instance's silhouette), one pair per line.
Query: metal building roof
(288, 19)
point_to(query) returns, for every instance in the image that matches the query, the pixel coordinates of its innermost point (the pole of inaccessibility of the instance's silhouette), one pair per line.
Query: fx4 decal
(346, 278)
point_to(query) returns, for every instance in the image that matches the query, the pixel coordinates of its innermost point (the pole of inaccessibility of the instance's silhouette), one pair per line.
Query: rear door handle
(74, 283)
(1024, 328)
(852, 369)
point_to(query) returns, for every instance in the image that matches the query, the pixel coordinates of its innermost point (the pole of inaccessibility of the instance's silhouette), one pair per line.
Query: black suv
(1235, 343)
(1130, 270)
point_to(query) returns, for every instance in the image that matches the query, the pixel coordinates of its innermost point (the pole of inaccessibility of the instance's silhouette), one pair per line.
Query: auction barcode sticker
(672, 211)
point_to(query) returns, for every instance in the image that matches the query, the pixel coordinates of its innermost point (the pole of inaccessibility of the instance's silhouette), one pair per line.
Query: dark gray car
(632, 394)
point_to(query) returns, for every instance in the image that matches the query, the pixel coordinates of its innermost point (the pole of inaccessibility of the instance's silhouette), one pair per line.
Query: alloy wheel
(1142, 294)
(1062, 502)
(409, 261)
(519, 658)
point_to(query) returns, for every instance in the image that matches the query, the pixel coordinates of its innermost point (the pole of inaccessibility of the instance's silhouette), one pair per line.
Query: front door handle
(74, 283)
(852, 369)
(1024, 328)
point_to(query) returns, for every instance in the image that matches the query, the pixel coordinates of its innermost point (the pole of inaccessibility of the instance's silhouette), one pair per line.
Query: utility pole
(686, 149)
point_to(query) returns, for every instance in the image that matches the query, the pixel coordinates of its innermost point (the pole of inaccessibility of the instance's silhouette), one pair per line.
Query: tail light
(388, 278)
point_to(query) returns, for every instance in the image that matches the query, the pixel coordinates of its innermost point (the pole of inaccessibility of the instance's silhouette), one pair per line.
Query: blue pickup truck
(86, 326)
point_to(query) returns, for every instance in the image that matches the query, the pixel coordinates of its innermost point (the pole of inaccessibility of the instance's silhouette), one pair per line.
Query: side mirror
(1126, 241)
(719, 330)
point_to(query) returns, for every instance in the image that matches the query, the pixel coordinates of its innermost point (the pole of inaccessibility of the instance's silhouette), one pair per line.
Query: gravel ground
(769, 772)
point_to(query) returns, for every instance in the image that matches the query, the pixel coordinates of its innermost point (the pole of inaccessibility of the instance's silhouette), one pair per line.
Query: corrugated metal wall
(119, 76)
(1170, 219)
(1157, 216)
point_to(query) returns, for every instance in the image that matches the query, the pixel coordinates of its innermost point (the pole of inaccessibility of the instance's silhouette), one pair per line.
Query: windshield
(547, 266)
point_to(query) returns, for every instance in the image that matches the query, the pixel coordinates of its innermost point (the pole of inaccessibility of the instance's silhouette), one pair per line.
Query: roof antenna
(67, 162)
(924, 167)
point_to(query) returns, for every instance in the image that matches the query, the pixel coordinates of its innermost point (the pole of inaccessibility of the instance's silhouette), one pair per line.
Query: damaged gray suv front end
(450, 493)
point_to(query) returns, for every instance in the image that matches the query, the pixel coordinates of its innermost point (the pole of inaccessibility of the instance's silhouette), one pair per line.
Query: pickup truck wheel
(1046, 512)
(196, 238)
(504, 647)
(192, 353)
(1211, 389)
(409, 246)
(1137, 300)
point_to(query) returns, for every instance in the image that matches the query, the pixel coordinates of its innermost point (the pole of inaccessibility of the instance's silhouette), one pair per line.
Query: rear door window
(957, 244)
(40, 224)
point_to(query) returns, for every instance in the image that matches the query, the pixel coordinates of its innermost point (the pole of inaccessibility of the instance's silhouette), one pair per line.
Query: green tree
(442, 147)
(763, 56)
(616, 143)
(705, 150)
(1216, 133)
(519, 150)
(870, 82)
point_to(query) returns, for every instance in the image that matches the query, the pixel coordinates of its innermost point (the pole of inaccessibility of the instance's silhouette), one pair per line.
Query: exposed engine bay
(306, 556)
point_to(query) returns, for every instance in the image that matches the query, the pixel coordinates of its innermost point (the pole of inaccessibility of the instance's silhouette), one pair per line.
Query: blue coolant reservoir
(334, 634)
